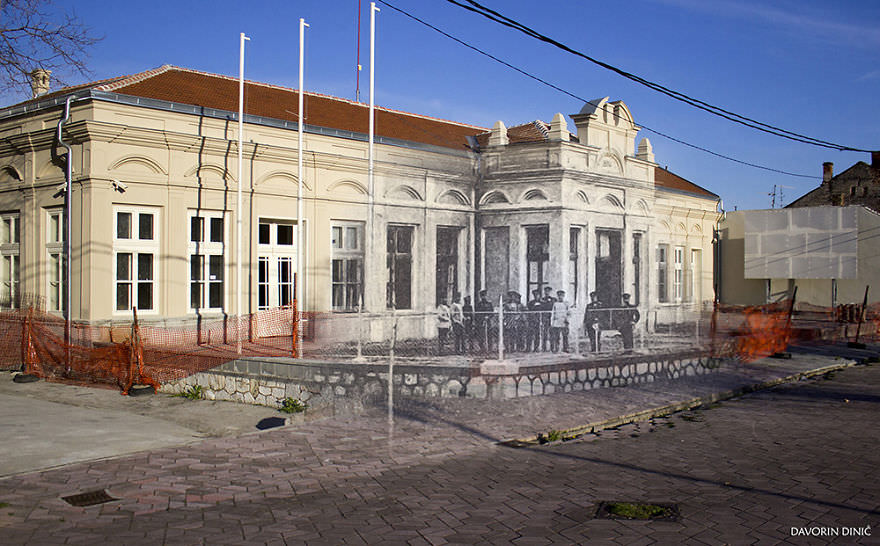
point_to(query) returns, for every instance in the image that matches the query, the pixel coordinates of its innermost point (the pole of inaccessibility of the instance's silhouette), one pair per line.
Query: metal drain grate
(637, 511)
(89, 498)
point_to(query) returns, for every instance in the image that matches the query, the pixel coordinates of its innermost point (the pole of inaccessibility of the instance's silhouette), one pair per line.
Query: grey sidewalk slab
(44, 425)
(40, 434)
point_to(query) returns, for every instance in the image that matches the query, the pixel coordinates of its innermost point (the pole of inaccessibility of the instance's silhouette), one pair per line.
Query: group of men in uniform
(540, 325)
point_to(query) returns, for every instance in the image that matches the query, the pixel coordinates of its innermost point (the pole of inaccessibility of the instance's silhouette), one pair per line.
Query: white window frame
(678, 274)
(275, 256)
(695, 268)
(207, 248)
(341, 248)
(135, 246)
(10, 259)
(55, 262)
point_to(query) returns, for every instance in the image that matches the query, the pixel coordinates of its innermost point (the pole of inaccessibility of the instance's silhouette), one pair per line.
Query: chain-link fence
(500, 334)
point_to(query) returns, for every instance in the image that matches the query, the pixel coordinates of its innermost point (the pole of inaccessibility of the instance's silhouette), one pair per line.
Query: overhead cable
(476, 7)
(581, 99)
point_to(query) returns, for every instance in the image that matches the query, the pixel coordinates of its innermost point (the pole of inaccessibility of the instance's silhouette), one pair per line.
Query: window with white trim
(662, 271)
(207, 273)
(346, 265)
(135, 253)
(56, 262)
(276, 263)
(678, 273)
(9, 259)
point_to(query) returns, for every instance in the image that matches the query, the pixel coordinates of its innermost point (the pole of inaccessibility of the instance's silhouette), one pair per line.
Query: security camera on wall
(118, 186)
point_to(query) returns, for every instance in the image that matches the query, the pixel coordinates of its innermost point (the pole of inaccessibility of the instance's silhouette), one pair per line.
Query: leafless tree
(34, 35)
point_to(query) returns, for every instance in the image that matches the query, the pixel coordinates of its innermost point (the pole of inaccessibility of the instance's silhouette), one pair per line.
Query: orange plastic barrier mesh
(34, 341)
(753, 332)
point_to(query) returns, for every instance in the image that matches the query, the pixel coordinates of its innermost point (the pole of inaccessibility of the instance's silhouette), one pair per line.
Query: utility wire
(497, 17)
(581, 99)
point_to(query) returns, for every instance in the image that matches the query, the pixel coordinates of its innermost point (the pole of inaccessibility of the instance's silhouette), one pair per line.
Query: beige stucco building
(454, 207)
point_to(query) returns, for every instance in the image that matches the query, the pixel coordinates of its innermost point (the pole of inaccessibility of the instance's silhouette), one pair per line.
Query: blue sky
(808, 66)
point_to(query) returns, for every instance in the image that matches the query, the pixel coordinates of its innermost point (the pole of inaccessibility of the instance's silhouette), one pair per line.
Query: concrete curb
(659, 411)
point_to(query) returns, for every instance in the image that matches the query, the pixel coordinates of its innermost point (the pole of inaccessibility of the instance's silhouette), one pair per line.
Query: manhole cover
(637, 511)
(89, 498)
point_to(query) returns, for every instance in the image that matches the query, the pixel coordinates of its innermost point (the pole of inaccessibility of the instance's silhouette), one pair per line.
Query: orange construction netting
(34, 342)
(748, 333)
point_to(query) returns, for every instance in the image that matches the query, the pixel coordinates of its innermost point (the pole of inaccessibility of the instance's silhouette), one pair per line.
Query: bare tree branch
(32, 36)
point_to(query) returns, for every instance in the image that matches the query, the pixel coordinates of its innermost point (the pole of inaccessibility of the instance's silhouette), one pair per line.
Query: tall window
(56, 262)
(276, 262)
(574, 238)
(398, 293)
(9, 258)
(662, 273)
(637, 268)
(678, 274)
(207, 236)
(346, 240)
(537, 258)
(695, 273)
(135, 249)
(447, 263)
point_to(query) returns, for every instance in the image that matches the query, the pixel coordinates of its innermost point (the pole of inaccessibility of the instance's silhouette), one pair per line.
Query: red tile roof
(533, 131)
(669, 180)
(184, 86)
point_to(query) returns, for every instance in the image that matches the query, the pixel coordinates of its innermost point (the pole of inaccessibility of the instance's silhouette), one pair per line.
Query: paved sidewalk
(53, 424)
(434, 474)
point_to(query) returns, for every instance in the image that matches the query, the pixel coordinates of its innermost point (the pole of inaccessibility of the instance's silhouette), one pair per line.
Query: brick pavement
(742, 473)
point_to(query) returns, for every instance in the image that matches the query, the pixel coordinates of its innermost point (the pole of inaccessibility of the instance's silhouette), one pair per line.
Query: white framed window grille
(346, 265)
(10, 251)
(56, 263)
(207, 265)
(678, 273)
(135, 254)
(276, 263)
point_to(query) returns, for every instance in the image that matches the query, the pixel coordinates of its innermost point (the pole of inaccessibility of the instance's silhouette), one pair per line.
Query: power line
(497, 17)
(581, 99)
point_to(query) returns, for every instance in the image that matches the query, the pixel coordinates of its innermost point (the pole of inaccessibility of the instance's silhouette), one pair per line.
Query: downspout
(68, 191)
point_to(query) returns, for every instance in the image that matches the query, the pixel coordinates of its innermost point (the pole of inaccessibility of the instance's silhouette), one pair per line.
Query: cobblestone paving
(745, 472)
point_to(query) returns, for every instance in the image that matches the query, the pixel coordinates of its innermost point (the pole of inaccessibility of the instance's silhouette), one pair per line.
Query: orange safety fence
(124, 355)
(748, 333)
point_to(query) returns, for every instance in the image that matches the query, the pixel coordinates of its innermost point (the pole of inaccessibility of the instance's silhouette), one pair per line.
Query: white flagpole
(239, 211)
(369, 233)
(300, 238)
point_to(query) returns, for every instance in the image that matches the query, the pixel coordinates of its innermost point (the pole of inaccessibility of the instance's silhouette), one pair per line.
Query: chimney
(875, 159)
(40, 81)
(827, 172)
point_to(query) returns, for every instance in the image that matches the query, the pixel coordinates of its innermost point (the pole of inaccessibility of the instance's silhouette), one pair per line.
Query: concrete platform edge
(658, 411)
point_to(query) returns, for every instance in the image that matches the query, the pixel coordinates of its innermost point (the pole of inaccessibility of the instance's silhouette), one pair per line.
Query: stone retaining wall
(335, 388)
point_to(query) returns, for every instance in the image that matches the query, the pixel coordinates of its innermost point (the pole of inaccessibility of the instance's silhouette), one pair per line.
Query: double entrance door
(276, 270)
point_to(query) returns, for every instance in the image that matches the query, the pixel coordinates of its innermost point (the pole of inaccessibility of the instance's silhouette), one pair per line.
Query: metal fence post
(360, 333)
(391, 368)
(501, 328)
